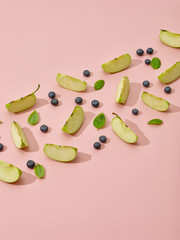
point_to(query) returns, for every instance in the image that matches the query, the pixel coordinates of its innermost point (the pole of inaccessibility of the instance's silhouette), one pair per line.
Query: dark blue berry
(167, 89)
(54, 102)
(30, 164)
(86, 73)
(148, 61)
(95, 103)
(135, 111)
(140, 52)
(149, 51)
(103, 139)
(97, 145)
(44, 128)
(146, 83)
(51, 94)
(1, 146)
(78, 100)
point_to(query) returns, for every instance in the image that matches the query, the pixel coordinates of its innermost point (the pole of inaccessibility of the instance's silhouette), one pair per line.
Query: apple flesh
(71, 83)
(8, 172)
(18, 135)
(155, 102)
(169, 38)
(117, 64)
(122, 90)
(171, 74)
(60, 153)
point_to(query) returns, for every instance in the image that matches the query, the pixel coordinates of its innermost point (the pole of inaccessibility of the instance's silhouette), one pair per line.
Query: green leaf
(155, 63)
(155, 121)
(99, 84)
(99, 121)
(39, 171)
(33, 118)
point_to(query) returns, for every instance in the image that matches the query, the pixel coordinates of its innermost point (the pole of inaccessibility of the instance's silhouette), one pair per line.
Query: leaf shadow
(81, 157)
(25, 179)
(33, 144)
(134, 92)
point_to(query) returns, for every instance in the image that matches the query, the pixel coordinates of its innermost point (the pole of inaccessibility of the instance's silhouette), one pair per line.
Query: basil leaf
(39, 171)
(155, 121)
(155, 63)
(33, 118)
(99, 121)
(99, 84)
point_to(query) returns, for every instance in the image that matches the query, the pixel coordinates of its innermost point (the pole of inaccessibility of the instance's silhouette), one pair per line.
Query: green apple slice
(75, 121)
(18, 135)
(155, 102)
(169, 38)
(117, 64)
(71, 83)
(171, 74)
(122, 90)
(8, 172)
(23, 103)
(122, 130)
(60, 153)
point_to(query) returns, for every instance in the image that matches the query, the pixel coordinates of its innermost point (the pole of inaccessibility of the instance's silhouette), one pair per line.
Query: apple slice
(169, 38)
(18, 135)
(122, 130)
(23, 103)
(122, 90)
(75, 121)
(117, 64)
(8, 172)
(60, 153)
(171, 74)
(71, 83)
(155, 102)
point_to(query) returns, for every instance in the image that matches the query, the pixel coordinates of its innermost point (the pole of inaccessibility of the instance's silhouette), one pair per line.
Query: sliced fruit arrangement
(18, 135)
(122, 130)
(169, 38)
(71, 83)
(155, 102)
(122, 90)
(170, 74)
(8, 172)
(60, 153)
(23, 103)
(117, 64)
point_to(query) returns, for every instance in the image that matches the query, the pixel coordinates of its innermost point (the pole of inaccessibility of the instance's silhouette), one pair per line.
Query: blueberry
(97, 145)
(167, 89)
(1, 146)
(44, 128)
(149, 51)
(30, 164)
(86, 73)
(78, 100)
(54, 102)
(135, 111)
(140, 52)
(148, 61)
(146, 83)
(102, 139)
(95, 103)
(51, 94)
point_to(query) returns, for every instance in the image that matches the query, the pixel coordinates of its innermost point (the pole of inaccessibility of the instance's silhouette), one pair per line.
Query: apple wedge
(122, 90)
(23, 103)
(71, 83)
(8, 172)
(169, 38)
(18, 135)
(117, 64)
(155, 102)
(60, 153)
(122, 130)
(75, 121)
(171, 74)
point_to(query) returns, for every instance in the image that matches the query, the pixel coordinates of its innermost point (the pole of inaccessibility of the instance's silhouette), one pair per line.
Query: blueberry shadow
(25, 179)
(134, 63)
(33, 144)
(4, 148)
(81, 157)
(134, 92)
(173, 108)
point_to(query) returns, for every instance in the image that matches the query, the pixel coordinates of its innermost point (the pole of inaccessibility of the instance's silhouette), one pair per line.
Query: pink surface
(121, 191)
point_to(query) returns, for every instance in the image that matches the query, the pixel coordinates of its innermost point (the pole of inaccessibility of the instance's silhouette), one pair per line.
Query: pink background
(121, 191)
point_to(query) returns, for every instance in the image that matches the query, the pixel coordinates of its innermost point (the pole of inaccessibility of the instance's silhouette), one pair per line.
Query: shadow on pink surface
(173, 108)
(81, 157)
(33, 144)
(134, 92)
(25, 179)
(134, 63)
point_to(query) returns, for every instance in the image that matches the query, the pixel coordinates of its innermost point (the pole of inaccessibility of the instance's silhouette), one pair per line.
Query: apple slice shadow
(134, 92)
(134, 63)
(81, 157)
(33, 144)
(142, 139)
(173, 108)
(25, 179)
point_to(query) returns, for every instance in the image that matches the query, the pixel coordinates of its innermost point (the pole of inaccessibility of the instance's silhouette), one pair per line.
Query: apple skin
(170, 74)
(122, 90)
(170, 39)
(7, 170)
